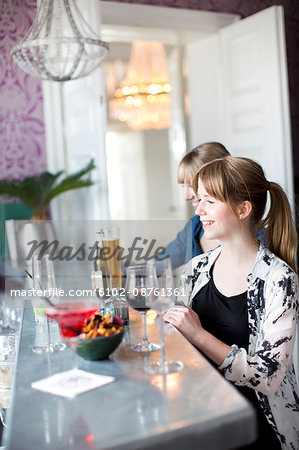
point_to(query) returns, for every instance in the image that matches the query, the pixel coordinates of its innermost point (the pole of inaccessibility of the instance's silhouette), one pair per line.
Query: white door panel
(239, 94)
(205, 86)
(255, 94)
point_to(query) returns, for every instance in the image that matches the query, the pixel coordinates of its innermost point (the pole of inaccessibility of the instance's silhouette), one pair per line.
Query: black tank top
(224, 317)
(227, 319)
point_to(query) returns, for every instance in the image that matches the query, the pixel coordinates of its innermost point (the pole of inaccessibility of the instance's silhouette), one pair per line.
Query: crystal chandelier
(60, 45)
(143, 99)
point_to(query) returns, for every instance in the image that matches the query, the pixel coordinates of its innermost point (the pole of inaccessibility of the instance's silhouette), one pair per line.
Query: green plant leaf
(38, 191)
(73, 181)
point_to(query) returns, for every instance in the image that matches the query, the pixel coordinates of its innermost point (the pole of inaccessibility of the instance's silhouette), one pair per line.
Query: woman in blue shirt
(190, 241)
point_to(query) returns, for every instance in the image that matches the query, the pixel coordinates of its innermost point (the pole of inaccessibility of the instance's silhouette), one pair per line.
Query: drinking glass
(108, 266)
(161, 299)
(8, 345)
(70, 315)
(98, 289)
(47, 332)
(137, 288)
(10, 314)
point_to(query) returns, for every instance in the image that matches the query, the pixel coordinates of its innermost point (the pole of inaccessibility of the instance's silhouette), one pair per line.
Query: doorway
(152, 156)
(140, 161)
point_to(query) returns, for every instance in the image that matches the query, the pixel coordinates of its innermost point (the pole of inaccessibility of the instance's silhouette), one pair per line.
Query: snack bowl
(98, 348)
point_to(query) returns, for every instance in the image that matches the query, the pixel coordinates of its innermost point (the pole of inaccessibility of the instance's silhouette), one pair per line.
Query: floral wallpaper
(22, 133)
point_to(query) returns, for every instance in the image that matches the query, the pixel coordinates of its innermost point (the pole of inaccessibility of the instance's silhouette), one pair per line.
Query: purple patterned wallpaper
(22, 133)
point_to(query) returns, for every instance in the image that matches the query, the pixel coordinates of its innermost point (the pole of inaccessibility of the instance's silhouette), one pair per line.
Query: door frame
(125, 22)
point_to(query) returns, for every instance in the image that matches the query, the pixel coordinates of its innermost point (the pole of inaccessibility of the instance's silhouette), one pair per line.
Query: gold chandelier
(143, 99)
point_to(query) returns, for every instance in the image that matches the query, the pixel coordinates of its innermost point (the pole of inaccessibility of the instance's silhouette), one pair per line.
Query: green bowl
(100, 347)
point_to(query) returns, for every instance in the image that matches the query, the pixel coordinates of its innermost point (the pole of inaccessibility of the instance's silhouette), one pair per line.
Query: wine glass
(137, 287)
(70, 315)
(161, 299)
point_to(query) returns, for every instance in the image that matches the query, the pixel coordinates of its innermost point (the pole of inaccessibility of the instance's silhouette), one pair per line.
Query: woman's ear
(244, 209)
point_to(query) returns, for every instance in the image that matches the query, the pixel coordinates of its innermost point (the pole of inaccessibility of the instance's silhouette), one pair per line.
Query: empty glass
(47, 337)
(98, 290)
(10, 314)
(8, 345)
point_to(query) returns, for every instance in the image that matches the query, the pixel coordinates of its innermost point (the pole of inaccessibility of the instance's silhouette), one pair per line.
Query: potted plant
(38, 191)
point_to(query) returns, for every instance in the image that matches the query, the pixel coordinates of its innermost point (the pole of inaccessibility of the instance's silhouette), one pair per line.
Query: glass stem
(49, 349)
(162, 344)
(75, 361)
(49, 334)
(143, 315)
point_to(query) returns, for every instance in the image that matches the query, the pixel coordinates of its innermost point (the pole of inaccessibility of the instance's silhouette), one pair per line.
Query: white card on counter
(65, 384)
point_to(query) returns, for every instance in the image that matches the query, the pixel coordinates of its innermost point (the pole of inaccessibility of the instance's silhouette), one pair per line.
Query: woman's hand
(188, 323)
(185, 320)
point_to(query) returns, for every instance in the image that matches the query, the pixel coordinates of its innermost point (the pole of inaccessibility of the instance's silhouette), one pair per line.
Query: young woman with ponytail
(243, 303)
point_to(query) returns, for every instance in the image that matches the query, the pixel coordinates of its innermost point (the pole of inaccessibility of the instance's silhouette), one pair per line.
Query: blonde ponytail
(281, 236)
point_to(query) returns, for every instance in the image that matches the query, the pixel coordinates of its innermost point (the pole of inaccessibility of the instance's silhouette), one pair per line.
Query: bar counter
(194, 408)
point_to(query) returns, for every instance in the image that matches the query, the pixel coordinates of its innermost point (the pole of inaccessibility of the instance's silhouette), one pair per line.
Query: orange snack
(98, 325)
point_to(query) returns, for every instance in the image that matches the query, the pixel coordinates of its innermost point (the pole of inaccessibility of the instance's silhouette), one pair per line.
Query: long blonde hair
(233, 180)
(198, 156)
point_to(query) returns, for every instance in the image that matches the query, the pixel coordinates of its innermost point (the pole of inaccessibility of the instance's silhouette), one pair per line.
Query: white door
(239, 95)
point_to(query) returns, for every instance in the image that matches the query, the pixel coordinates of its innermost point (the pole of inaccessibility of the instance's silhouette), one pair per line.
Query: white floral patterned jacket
(267, 367)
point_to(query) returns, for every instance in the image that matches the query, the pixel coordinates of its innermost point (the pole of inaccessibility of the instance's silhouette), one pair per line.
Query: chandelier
(60, 45)
(143, 99)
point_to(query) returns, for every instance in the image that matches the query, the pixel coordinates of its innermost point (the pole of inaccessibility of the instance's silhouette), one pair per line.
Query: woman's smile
(207, 223)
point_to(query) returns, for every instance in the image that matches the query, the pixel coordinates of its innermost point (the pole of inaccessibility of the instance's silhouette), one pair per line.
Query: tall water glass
(47, 335)
(98, 290)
